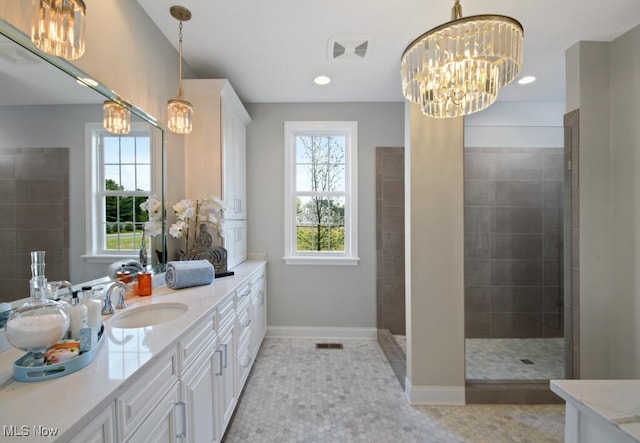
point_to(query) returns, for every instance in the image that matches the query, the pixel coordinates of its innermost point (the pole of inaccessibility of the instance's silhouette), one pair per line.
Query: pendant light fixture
(116, 118)
(457, 68)
(180, 111)
(57, 27)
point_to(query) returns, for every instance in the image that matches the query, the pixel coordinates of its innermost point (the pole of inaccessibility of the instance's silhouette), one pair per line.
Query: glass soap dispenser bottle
(79, 317)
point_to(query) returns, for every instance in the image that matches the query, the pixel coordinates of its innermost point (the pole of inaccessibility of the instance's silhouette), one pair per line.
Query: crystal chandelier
(179, 110)
(116, 118)
(57, 27)
(457, 68)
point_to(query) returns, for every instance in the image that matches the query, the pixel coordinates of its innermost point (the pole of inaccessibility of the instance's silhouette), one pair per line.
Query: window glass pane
(143, 150)
(320, 224)
(111, 209)
(127, 150)
(320, 163)
(128, 180)
(143, 175)
(111, 149)
(112, 177)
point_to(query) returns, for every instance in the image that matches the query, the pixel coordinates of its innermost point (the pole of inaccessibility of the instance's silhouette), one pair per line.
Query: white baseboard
(321, 332)
(434, 395)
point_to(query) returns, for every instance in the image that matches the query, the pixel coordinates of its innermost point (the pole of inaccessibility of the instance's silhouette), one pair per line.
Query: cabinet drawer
(226, 312)
(242, 293)
(140, 398)
(191, 345)
(244, 359)
(257, 280)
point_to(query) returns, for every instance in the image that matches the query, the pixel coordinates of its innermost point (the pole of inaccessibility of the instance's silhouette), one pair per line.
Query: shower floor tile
(508, 358)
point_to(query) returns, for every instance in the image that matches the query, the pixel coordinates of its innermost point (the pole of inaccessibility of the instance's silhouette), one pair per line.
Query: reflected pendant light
(180, 111)
(457, 68)
(57, 27)
(116, 118)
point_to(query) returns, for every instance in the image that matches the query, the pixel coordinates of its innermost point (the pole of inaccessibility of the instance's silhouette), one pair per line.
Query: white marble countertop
(68, 402)
(615, 401)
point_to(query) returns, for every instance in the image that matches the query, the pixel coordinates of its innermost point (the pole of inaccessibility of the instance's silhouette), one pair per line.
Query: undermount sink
(148, 315)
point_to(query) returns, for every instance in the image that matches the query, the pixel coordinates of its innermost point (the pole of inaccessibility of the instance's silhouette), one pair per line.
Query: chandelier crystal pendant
(457, 68)
(180, 111)
(57, 27)
(116, 118)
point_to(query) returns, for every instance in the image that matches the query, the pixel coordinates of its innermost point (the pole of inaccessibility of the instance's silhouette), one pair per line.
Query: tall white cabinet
(215, 156)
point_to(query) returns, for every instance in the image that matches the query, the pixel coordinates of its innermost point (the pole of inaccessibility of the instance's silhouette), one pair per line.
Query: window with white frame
(121, 179)
(321, 205)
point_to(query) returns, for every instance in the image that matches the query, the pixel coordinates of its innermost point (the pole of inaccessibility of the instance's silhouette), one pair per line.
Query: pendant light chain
(180, 60)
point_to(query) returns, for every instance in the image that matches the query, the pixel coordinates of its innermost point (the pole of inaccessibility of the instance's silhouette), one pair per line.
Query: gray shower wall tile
(515, 191)
(517, 299)
(516, 246)
(513, 219)
(7, 191)
(39, 191)
(477, 272)
(519, 166)
(552, 194)
(477, 245)
(478, 193)
(36, 164)
(7, 166)
(552, 246)
(393, 193)
(45, 217)
(553, 165)
(477, 299)
(518, 193)
(516, 273)
(477, 219)
(552, 220)
(479, 166)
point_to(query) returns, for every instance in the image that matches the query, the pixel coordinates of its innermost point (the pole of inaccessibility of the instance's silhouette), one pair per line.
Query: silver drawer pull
(181, 426)
(220, 361)
(245, 323)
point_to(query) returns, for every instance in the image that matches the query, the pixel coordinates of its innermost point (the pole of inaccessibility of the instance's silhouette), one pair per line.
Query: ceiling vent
(349, 47)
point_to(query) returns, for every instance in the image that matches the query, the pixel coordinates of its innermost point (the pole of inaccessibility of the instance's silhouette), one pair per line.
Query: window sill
(332, 261)
(106, 258)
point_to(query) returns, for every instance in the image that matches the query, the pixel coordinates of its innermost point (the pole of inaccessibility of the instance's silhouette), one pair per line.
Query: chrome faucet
(108, 306)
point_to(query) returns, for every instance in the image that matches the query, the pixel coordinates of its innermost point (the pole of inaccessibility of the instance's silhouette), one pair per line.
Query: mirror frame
(18, 37)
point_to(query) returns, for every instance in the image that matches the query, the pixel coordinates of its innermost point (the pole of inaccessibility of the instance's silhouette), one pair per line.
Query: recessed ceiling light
(322, 80)
(87, 81)
(526, 80)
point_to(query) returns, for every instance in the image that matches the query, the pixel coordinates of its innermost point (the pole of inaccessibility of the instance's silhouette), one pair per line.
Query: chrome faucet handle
(108, 306)
(121, 302)
(107, 309)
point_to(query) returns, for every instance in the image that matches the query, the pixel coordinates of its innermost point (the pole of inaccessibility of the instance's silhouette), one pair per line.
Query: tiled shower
(514, 306)
(34, 202)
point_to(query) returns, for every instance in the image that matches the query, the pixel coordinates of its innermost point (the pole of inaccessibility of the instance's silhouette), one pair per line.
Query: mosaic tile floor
(501, 358)
(299, 394)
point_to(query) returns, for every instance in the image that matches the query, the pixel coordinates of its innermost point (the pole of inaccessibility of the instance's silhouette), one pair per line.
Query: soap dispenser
(94, 308)
(79, 317)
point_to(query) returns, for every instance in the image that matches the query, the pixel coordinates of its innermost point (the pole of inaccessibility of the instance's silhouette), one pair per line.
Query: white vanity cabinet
(102, 429)
(215, 156)
(225, 381)
(258, 298)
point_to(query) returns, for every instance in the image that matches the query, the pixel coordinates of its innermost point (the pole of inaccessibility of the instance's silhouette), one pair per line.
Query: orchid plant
(153, 206)
(191, 214)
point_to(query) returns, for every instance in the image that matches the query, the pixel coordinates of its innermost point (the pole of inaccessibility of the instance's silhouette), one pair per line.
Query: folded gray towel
(187, 273)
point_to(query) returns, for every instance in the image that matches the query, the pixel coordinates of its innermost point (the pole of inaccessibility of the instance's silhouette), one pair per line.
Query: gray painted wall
(605, 87)
(321, 296)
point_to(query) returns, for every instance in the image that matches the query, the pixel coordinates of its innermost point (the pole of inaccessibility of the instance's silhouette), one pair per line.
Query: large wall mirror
(54, 154)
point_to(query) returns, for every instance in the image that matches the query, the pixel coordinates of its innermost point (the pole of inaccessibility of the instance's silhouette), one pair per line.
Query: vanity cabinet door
(234, 162)
(165, 424)
(225, 384)
(198, 393)
(258, 311)
(102, 429)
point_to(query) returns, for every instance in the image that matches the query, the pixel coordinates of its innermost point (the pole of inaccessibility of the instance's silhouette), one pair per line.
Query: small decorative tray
(23, 372)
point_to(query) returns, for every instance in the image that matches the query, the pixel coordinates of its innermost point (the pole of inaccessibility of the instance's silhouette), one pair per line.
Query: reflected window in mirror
(122, 177)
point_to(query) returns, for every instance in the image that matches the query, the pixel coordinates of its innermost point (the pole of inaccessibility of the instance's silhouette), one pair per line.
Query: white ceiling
(271, 51)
